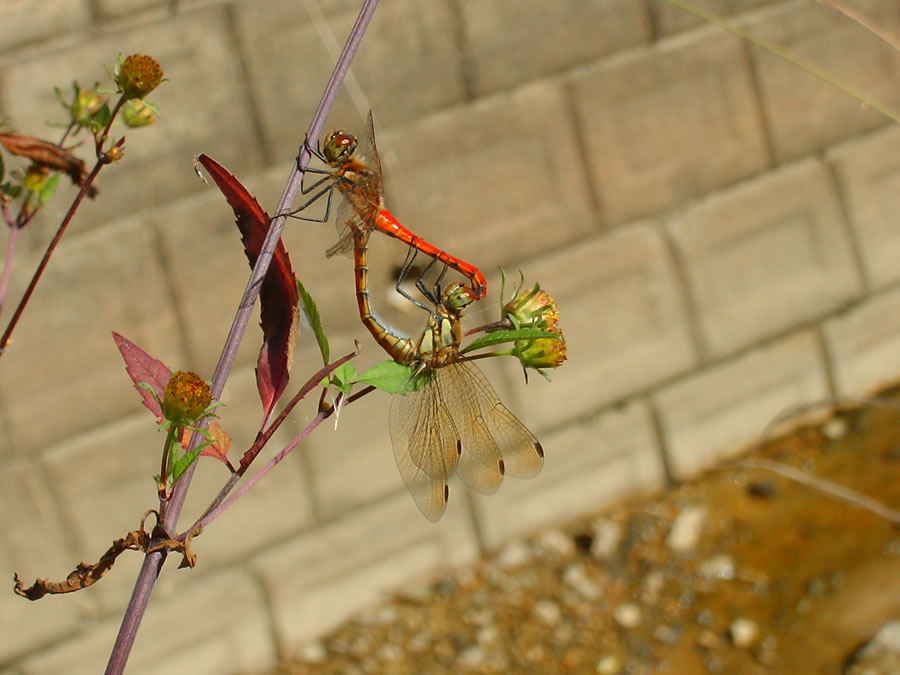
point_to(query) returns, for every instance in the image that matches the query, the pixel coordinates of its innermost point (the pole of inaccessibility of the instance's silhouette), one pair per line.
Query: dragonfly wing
(490, 432)
(481, 461)
(371, 152)
(426, 447)
(345, 219)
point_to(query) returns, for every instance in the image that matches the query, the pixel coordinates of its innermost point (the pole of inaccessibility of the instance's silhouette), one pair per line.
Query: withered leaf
(44, 153)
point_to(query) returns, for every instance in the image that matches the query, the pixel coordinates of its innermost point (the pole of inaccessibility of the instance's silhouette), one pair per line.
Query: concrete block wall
(716, 225)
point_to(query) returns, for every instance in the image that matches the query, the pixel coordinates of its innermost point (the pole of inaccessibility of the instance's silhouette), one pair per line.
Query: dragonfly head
(339, 146)
(456, 297)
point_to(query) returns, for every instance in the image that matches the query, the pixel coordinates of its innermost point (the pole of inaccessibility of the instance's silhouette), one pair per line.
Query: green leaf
(48, 189)
(344, 377)
(315, 321)
(2, 167)
(100, 119)
(500, 336)
(12, 191)
(392, 377)
(182, 463)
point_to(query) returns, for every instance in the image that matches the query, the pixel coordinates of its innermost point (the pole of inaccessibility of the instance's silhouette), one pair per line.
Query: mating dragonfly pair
(454, 423)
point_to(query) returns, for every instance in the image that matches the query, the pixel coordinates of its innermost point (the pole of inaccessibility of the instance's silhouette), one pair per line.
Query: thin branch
(826, 487)
(808, 66)
(7, 334)
(870, 26)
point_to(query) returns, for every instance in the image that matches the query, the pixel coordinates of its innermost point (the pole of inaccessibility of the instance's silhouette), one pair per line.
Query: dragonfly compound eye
(339, 145)
(457, 297)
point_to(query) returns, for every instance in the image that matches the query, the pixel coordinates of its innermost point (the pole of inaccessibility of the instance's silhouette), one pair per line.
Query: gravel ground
(743, 571)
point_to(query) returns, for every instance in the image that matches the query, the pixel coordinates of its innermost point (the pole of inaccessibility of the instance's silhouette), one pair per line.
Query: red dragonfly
(450, 420)
(356, 174)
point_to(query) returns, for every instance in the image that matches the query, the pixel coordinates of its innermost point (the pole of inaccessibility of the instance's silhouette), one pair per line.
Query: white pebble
(313, 652)
(686, 529)
(743, 632)
(835, 429)
(607, 535)
(627, 615)
(557, 542)
(718, 567)
(514, 554)
(547, 612)
(472, 657)
(576, 577)
(608, 665)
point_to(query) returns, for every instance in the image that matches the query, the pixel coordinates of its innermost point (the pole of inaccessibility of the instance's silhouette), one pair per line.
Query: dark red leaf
(141, 367)
(278, 297)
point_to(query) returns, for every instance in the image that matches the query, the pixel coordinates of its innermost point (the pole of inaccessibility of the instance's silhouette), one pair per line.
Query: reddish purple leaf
(278, 298)
(141, 367)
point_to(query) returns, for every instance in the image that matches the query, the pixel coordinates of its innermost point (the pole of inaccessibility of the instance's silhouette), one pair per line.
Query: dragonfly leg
(423, 289)
(404, 270)
(314, 151)
(439, 281)
(329, 189)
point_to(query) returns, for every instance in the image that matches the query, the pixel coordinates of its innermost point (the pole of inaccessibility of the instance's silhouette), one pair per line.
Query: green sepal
(315, 321)
(48, 189)
(500, 336)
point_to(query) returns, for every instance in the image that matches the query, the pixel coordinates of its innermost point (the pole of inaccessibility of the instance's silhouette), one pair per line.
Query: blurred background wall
(716, 224)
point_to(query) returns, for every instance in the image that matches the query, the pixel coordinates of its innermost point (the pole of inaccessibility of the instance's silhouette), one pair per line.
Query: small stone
(686, 529)
(743, 632)
(835, 429)
(607, 535)
(575, 576)
(385, 615)
(547, 612)
(667, 634)
(471, 658)
(514, 554)
(487, 635)
(536, 653)
(718, 567)
(627, 615)
(389, 653)
(608, 665)
(557, 542)
(708, 640)
(653, 586)
(761, 489)
(313, 652)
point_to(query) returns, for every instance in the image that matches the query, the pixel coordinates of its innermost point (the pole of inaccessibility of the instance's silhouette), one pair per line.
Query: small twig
(826, 487)
(782, 53)
(86, 574)
(864, 22)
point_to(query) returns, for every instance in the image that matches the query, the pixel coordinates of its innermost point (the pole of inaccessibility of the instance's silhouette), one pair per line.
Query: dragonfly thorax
(439, 344)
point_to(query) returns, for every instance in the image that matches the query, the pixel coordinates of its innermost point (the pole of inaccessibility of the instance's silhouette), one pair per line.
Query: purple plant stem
(153, 562)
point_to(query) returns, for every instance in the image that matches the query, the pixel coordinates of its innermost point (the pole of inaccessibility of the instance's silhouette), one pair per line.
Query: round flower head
(537, 309)
(533, 309)
(186, 398)
(138, 75)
